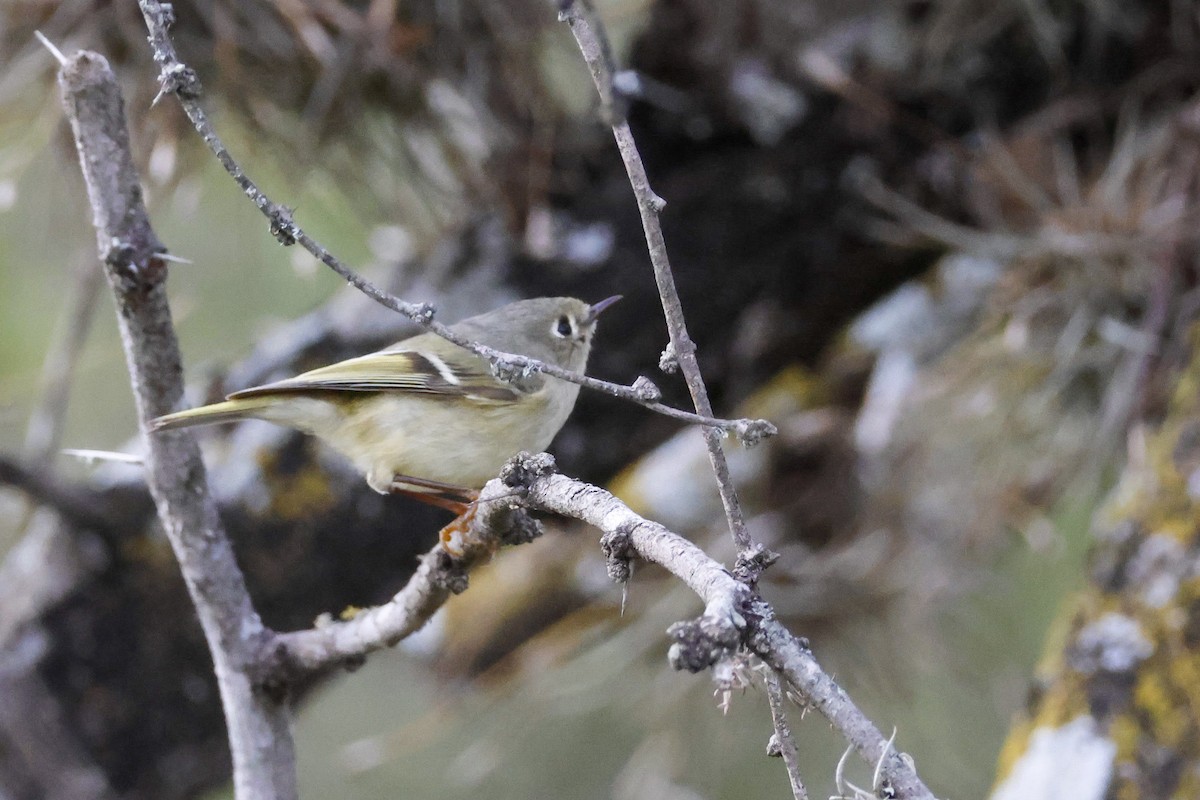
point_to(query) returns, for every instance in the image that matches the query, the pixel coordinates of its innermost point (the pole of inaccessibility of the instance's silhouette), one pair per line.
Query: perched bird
(424, 416)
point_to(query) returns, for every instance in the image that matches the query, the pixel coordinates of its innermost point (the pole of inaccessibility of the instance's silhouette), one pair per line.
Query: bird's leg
(457, 499)
(443, 495)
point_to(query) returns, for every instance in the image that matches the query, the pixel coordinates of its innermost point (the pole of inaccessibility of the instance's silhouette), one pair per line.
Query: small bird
(426, 417)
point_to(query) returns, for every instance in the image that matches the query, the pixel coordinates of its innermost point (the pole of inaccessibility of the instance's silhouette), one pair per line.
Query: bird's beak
(596, 308)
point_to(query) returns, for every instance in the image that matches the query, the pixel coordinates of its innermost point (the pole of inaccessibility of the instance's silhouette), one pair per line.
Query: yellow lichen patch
(295, 494)
(1186, 395)
(1127, 790)
(1163, 502)
(794, 388)
(1059, 633)
(1125, 733)
(1189, 785)
(1062, 702)
(1183, 672)
(349, 612)
(1155, 701)
(1014, 747)
(1159, 493)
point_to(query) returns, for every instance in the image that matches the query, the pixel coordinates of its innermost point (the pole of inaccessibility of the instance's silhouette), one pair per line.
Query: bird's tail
(228, 411)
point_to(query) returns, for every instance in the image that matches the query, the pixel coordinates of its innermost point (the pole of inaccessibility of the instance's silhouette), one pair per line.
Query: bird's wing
(399, 371)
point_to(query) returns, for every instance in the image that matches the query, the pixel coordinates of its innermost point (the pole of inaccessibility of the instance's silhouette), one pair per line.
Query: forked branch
(259, 733)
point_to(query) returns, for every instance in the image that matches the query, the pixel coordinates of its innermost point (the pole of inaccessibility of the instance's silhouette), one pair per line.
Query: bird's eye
(563, 327)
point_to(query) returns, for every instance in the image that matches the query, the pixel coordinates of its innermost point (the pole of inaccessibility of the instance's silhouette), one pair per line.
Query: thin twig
(259, 725)
(593, 44)
(783, 739)
(792, 660)
(179, 79)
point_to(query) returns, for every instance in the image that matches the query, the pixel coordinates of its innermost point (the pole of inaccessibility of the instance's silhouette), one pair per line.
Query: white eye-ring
(563, 327)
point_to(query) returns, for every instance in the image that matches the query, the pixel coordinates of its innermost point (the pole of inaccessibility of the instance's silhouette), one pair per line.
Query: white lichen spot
(1113, 643)
(1074, 761)
(1154, 570)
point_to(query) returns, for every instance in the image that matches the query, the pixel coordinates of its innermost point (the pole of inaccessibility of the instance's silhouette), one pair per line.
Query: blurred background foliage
(946, 245)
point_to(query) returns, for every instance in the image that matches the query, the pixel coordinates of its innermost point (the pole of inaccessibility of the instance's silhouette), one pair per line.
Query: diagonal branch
(286, 656)
(179, 79)
(593, 44)
(259, 726)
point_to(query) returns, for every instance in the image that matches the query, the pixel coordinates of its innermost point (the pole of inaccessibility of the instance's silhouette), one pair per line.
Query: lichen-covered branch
(259, 726)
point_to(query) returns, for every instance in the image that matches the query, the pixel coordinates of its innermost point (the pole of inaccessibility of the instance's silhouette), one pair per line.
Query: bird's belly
(446, 442)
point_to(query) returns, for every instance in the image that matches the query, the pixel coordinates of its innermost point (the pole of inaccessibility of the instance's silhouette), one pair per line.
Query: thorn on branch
(180, 80)
(618, 550)
(49, 45)
(657, 203)
(732, 672)
(646, 391)
(752, 431)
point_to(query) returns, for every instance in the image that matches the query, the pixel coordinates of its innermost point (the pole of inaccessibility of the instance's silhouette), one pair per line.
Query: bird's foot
(457, 499)
(453, 536)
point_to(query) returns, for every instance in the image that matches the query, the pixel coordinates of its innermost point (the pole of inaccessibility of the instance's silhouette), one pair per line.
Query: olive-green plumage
(426, 408)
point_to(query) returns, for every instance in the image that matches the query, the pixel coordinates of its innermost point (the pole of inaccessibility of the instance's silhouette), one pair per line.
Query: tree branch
(259, 734)
(593, 44)
(791, 658)
(782, 744)
(734, 616)
(497, 521)
(179, 79)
